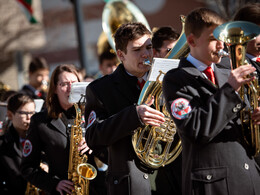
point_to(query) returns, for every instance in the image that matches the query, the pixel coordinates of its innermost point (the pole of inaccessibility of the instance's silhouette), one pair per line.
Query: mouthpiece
(45, 85)
(222, 53)
(147, 62)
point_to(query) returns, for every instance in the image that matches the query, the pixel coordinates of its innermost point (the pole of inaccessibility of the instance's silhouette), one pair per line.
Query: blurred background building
(52, 32)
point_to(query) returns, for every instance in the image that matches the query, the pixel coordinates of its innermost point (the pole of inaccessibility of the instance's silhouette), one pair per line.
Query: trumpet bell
(116, 13)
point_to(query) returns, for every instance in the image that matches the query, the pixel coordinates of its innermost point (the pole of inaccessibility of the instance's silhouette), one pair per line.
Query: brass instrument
(32, 190)
(79, 171)
(159, 146)
(118, 12)
(44, 85)
(236, 36)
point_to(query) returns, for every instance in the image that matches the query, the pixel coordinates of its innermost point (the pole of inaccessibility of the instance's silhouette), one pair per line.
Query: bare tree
(226, 8)
(16, 32)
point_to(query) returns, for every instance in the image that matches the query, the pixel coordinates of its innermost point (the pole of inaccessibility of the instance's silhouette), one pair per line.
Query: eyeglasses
(66, 84)
(24, 113)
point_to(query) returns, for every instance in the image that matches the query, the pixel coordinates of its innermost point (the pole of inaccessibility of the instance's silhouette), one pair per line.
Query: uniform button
(246, 166)
(239, 106)
(235, 109)
(115, 181)
(145, 176)
(209, 177)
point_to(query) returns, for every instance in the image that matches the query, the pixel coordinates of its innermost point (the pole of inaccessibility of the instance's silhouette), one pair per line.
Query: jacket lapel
(126, 84)
(59, 125)
(13, 137)
(221, 75)
(192, 70)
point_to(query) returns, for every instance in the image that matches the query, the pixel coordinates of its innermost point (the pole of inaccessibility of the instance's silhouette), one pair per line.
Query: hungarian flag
(26, 6)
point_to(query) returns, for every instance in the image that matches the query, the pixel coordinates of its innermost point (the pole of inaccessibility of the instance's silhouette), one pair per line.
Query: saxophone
(79, 171)
(32, 190)
(236, 36)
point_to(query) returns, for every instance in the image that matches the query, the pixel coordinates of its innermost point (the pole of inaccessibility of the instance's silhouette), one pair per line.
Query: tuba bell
(159, 146)
(236, 36)
(118, 12)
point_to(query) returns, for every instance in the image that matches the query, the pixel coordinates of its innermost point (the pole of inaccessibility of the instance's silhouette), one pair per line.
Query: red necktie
(210, 74)
(258, 60)
(141, 83)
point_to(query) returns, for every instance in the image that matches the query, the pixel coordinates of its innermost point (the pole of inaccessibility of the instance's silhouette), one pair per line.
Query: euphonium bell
(236, 36)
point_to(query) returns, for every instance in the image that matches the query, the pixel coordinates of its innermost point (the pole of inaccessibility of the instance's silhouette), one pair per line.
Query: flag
(26, 6)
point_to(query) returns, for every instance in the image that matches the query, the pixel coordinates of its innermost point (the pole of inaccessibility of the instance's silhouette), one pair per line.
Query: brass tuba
(118, 12)
(236, 36)
(159, 146)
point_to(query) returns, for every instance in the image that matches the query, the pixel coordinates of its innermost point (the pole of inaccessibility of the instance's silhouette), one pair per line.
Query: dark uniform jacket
(50, 136)
(12, 181)
(216, 159)
(112, 120)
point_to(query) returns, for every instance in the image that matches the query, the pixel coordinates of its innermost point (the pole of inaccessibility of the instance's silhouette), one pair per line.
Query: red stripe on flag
(25, 4)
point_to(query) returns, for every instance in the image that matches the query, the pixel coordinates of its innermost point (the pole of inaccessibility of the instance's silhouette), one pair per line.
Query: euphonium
(159, 146)
(79, 171)
(236, 35)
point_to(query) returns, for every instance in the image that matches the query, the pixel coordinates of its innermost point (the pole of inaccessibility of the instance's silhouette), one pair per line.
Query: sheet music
(163, 64)
(77, 90)
(38, 104)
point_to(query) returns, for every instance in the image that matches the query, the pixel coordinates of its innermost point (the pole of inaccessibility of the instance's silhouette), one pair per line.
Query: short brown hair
(38, 63)
(164, 33)
(129, 32)
(200, 18)
(249, 12)
(17, 100)
(52, 101)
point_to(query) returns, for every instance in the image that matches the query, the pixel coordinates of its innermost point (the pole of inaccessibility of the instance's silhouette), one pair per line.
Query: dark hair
(106, 55)
(17, 100)
(249, 12)
(162, 34)
(38, 63)
(200, 18)
(129, 32)
(52, 101)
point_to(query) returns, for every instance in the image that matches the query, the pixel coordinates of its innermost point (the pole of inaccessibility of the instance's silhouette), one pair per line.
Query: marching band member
(112, 115)
(49, 132)
(20, 108)
(205, 108)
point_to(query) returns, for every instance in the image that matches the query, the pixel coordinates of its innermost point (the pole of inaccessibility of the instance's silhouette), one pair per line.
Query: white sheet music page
(163, 64)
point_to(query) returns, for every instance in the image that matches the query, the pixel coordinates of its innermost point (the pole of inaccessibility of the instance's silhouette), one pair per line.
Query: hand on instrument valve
(238, 76)
(148, 115)
(65, 186)
(83, 147)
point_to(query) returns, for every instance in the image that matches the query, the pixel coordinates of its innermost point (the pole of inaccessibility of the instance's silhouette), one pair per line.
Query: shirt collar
(198, 64)
(140, 79)
(251, 57)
